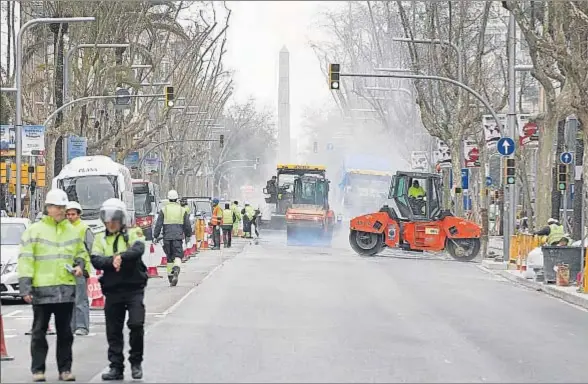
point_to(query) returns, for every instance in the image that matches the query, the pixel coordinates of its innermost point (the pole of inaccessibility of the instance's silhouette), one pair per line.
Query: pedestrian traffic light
(169, 96)
(562, 177)
(510, 171)
(222, 141)
(334, 75)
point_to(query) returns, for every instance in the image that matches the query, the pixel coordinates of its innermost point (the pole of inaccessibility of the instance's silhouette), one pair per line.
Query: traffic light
(32, 187)
(222, 141)
(169, 96)
(510, 171)
(334, 75)
(562, 177)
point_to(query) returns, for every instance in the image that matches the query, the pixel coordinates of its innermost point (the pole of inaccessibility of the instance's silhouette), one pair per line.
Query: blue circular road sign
(488, 181)
(505, 146)
(566, 158)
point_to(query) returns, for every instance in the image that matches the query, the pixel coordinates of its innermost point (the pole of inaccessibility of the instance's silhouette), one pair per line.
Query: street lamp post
(18, 86)
(66, 64)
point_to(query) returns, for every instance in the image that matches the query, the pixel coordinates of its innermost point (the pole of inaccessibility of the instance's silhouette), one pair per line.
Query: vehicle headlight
(10, 268)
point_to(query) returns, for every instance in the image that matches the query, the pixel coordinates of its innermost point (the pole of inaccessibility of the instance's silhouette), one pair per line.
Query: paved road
(90, 351)
(300, 314)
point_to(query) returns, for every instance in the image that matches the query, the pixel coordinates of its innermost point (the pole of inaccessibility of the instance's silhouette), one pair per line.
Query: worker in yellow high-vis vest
(174, 222)
(51, 256)
(229, 217)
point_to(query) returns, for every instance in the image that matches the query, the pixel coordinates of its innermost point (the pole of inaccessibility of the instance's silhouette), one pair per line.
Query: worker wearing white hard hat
(80, 321)
(554, 231)
(43, 283)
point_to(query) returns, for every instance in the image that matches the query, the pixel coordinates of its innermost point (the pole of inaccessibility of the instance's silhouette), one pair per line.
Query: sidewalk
(569, 294)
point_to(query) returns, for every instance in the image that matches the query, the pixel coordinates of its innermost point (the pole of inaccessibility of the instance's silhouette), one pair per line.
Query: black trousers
(227, 234)
(39, 347)
(173, 249)
(216, 236)
(115, 309)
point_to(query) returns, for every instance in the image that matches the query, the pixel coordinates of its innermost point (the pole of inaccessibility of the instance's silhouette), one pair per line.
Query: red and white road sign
(94, 289)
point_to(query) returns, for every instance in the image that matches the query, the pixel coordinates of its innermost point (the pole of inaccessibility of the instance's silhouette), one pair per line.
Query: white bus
(91, 180)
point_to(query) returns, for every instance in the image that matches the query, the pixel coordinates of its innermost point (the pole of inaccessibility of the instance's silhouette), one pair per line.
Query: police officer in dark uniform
(117, 253)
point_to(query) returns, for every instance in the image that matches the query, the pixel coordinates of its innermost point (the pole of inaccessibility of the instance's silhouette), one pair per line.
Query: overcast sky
(257, 32)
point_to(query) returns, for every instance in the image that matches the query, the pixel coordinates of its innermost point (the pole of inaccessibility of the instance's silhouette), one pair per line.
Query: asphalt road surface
(274, 313)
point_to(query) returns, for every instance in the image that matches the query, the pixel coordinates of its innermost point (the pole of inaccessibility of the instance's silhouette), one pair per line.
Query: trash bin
(553, 255)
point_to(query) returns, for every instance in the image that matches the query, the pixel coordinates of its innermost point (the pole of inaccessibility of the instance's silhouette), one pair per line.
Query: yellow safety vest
(104, 245)
(83, 228)
(556, 232)
(45, 248)
(173, 213)
(228, 216)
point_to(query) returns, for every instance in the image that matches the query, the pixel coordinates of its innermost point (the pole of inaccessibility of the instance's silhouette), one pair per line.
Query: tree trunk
(59, 31)
(545, 156)
(484, 199)
(51, 140)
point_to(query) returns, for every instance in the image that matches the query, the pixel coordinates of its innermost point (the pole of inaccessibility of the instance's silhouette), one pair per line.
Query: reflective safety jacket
(174, 221)
(217, 216)
(237, 211)
(249, 212)
(556, 232)
(45, 248)
(228, 216)
(416, 192)
(88, 238)
(130, 244)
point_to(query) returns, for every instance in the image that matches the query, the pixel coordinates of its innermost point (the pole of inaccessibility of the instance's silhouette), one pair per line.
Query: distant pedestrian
(51, 256)
(117, 253)
(80, 321)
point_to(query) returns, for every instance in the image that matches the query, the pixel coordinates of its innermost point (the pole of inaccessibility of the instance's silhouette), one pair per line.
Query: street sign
(122, 100)
(505, 146)
(465, 178)
(566, 158)
(488, 181)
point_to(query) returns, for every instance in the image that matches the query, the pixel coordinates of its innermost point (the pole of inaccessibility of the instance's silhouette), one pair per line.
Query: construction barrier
(520, 246)
(95, 292)
(151, 261)
(3, 352)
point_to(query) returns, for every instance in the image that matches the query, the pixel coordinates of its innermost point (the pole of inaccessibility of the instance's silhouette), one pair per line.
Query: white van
(91, 180)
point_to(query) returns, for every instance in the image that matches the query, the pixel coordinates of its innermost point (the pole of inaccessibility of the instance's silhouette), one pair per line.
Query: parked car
(11, 230)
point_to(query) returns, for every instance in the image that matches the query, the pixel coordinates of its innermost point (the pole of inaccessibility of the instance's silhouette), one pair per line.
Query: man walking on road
(80, 320)
(117, 252)
(235, 208)
(229, 218)
(175, 223)
(52, 255)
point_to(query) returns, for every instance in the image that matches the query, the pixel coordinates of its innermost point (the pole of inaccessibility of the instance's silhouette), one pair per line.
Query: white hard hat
(113, 210)
(552, 221)
(172, 194)
(56, 197)
(74, 205)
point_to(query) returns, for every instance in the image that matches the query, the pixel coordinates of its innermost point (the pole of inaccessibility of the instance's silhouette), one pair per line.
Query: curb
(551, 291)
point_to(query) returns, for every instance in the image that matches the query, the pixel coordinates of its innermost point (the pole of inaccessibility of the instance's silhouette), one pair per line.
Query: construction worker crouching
(229, 217)
(216, 221)
(554, 232)
(80, 321)
(175, 224)
(118, 252)
(51, 256)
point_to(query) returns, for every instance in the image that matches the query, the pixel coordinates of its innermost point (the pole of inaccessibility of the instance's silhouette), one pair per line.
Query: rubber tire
(452, 250)
(362, 252)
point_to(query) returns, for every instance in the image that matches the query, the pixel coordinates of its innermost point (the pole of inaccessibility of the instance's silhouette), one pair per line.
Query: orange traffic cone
(3, 352)
(152, 271)
(204, 245)
(97, 303)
